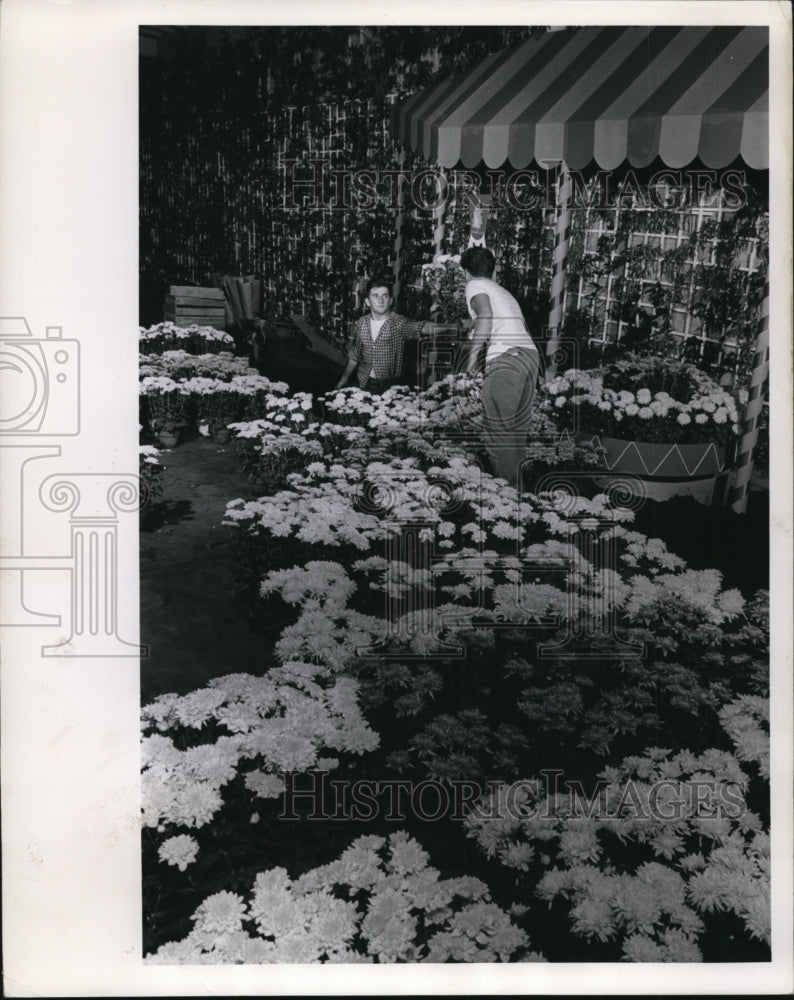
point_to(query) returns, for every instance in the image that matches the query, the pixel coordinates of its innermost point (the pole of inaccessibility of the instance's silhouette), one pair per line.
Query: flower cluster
(181, 364)
(708, 850)
(334, 504)
(387, 513)
(285, 437)
(363, 907)
(700, 591)
(315, 585)
(165, 407)
(282, 721)
(746, 721)
(174, 402)
(646, 909)
(644, 399)
(450, 404)
(737, 877)
(195, 339)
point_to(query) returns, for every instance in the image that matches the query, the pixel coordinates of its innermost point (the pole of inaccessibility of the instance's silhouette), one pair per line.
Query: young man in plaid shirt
(378, 342)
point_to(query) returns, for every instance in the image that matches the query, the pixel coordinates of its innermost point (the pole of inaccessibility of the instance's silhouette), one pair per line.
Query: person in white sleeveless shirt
(512, 364)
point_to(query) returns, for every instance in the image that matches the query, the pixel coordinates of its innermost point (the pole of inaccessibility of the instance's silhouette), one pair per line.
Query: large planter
(168, 439)
(665, 470)
(220, 434)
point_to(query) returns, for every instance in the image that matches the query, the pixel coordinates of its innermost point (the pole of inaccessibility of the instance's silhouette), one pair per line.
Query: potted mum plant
(167, 408)
(218, 404)
(658, 418)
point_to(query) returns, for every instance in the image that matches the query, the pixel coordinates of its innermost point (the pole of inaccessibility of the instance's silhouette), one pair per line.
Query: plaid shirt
(382, 358)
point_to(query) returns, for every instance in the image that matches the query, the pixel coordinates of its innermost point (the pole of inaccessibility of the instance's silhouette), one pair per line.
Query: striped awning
(612, 95)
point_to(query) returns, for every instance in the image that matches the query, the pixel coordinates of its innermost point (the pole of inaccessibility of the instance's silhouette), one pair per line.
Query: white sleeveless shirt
(508, 328)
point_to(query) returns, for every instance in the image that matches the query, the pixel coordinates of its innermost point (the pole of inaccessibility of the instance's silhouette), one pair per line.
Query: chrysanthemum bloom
(180, 851)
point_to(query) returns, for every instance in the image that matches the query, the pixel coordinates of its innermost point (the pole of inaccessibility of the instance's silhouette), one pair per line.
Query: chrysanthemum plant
(195, 339)
(645, 861)
(380, 901)
(446, 281)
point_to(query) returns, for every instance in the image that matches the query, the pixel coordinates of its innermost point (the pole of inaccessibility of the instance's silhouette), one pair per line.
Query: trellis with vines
(689, 279)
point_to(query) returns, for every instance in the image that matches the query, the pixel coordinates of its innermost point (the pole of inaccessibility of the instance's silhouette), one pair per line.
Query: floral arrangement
(195, 339)
(446, 281)
(380, 901)
(645, 399)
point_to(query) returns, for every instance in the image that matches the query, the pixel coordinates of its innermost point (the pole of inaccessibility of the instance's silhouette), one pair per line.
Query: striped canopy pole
(439, 229)
(439, 211)
(399, 224)
(759, 383)
(562, 236)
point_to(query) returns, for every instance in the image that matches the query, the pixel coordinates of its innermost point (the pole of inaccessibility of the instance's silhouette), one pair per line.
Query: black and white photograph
(454, 364)
(446, 614)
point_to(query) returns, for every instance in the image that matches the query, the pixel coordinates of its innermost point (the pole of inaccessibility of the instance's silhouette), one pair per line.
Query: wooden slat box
(188, 304)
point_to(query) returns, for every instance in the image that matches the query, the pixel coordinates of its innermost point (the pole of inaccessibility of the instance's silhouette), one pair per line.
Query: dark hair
(377, 282)
(478, 261)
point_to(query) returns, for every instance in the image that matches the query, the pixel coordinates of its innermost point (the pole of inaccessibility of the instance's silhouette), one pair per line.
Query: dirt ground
(192, 618)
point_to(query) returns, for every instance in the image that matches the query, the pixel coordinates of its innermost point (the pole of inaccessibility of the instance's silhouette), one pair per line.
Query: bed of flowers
(181, 390)
(195, 339)
(603, 706)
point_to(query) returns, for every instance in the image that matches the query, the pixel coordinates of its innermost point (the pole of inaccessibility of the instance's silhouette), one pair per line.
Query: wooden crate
(190, 303)
(186, 305)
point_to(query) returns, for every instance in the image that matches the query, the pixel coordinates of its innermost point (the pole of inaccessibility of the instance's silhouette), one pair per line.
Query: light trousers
(508, 392)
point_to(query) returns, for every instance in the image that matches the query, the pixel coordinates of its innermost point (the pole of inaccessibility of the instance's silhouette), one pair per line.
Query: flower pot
(220, 435)
(665, 469)
(168, 439)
